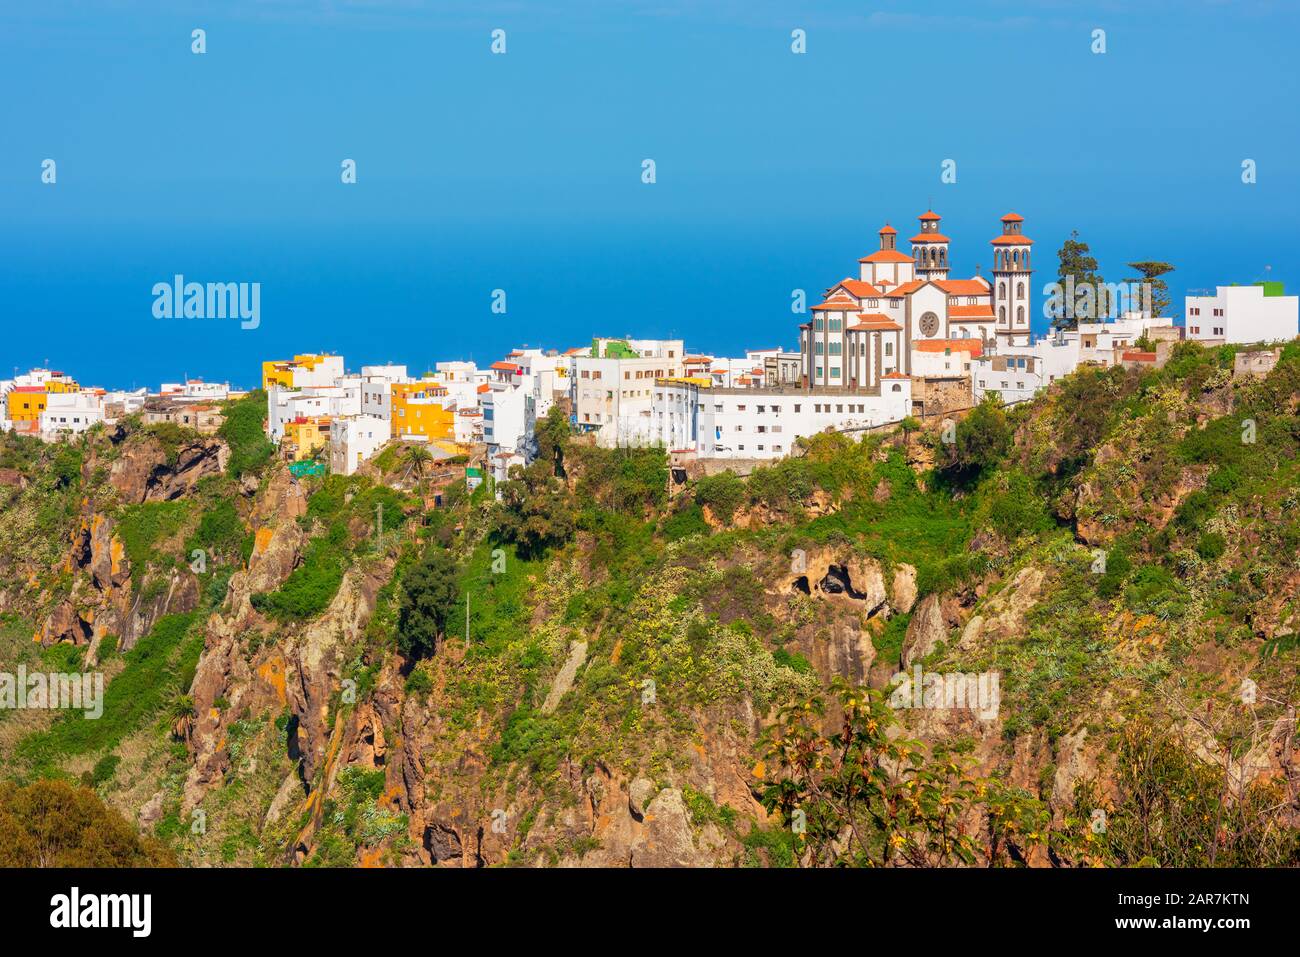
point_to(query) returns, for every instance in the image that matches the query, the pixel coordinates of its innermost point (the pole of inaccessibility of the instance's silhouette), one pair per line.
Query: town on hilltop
(900, 340)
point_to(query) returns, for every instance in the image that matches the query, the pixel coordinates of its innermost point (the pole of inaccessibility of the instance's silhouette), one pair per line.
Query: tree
(552, 435)
(909, 425)
(430, 596)
(418, 459)
(1078, 270)
(866, 796)
(1151, 272)
(50, 823)
(535, 511)
(982, 439)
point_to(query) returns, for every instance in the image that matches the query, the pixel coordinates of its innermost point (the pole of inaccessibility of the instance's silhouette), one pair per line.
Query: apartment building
(760, 423)
(1243, 314)
(611, 390)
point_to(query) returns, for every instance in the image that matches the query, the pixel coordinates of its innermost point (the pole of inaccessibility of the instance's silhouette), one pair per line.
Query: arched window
(1020, 315)
(897, 388)
(1020, 290)
(1002, 290)
(1002, 313)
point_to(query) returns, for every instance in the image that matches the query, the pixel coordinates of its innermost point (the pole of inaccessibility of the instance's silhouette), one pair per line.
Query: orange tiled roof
(835, 304)
(930, 214)
(929, 238)
(1138, 355)
(906, 288)
(505, 367)
(887, 230)
(895, 375)
(1011, 239)
(970, 312)
(874, 322)
(887, 256)
(973, 346)
(963, 287)
(1013, 218)
(861, 288)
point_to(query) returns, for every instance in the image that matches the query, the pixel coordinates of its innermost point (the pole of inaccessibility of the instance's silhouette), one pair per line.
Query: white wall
(1247, 316)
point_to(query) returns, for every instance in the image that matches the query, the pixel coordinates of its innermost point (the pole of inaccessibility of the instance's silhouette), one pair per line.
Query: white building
(1098, 341)
(1018, 372)
(509, 418)
(71, 413)
(866, 327)
(284, 405)
(377, 389)
(611, 390)
(1244, 314)
(354, 439)
(759, 423)
(303, 371)
(195, 390)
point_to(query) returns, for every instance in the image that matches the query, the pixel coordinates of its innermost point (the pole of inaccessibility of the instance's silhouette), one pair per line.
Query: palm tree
(418, 458)
(181, 711)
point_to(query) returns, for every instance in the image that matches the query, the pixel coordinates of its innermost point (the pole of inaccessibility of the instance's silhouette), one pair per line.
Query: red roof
(1011, 239)
(928, 215)
(1013, 218)
(887, 230)
(1137, 355)
(895, 375)
(505, 367)
(28, 388)
(484, 388)
(929, 238)
(886, 256)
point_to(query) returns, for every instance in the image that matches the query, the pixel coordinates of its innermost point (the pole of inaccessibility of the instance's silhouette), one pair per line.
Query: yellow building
(307, 434)
(25, 403)
(423, 408)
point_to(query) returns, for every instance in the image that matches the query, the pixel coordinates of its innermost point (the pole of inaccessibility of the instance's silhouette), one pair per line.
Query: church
(871, 328)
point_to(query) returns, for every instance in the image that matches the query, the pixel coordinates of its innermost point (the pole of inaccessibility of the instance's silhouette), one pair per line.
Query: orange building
(307, 434)
(25, 403)
(424, 409)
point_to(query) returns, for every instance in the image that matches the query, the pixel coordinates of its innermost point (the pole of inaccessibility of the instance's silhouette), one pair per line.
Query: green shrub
(723, 494)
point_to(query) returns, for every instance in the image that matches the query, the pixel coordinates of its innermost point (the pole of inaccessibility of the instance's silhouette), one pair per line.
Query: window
(797, 406)
(889, 348)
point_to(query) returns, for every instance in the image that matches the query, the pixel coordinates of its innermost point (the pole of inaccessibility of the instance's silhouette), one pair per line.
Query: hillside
(657, 674)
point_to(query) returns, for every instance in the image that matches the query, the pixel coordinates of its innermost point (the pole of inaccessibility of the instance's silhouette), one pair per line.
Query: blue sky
(522, 171)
